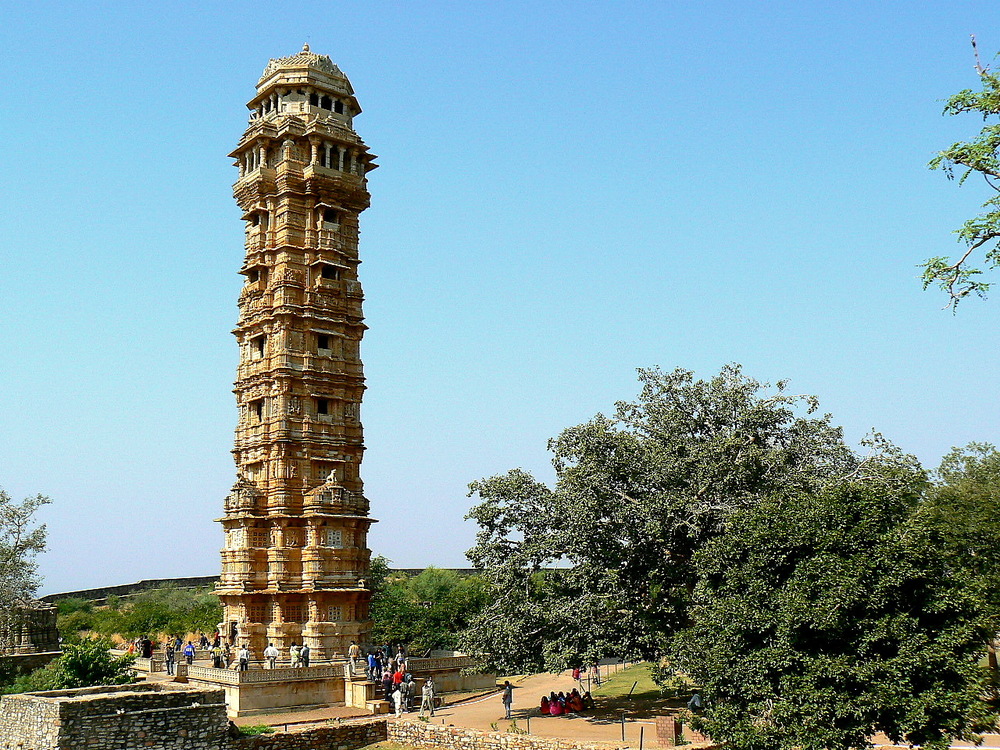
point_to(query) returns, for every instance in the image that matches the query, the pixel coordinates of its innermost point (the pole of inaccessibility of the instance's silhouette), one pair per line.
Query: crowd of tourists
(222, 654)
(557, 704)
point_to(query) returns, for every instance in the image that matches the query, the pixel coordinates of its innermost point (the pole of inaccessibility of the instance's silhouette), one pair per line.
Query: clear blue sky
(568, 191)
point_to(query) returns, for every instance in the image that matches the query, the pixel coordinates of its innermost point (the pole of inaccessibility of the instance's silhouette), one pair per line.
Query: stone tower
(296, 522)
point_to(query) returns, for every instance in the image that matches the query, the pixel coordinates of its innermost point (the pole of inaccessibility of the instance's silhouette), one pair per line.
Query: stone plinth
(264, 690)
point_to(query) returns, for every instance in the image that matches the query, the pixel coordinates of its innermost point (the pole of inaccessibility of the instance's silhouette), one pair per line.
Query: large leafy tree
(980, 156)
(821, 618)
(962, 509)
(425, 611)
(602, 563)
(21, 539)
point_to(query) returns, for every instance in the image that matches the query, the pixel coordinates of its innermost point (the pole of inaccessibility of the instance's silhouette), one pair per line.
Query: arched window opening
(325, 102)
(338, 107)
(314, 99)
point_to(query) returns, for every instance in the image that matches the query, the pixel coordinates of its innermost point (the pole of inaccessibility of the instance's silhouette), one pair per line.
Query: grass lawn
(619, 683)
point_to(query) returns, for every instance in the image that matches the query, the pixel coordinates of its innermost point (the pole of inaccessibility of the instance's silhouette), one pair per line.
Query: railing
(444, 662)
(252, 676)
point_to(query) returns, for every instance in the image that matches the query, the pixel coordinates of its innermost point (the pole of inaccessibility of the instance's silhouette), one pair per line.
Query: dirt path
(488, 713)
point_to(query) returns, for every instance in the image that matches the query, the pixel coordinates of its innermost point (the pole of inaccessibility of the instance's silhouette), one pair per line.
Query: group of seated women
(557, 704)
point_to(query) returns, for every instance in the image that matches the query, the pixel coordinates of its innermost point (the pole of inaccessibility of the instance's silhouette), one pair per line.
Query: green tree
(425, 611)
(21, 539)
(962, 509)
(163, 611)
(821, 618)
(84, 664)
(979, 156)
(601, 563)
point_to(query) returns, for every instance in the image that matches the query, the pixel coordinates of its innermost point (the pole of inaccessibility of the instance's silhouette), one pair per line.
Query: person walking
(217, 656)
(354, 653)
(427, 697)
(387, 684)
(271, 654)
(169, 657)
(296, 654)
(189, 653)
(304, 654)
(508, 698)
(244, 657)
(397, 697)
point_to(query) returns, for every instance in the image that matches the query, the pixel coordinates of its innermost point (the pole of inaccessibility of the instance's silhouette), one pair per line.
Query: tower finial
(305, 47)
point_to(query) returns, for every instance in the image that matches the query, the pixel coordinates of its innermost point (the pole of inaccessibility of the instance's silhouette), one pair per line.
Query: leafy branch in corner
(980, 155)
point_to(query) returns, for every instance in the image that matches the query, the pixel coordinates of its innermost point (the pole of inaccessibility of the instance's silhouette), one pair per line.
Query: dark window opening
(257, 407)
(256, 220)
(253, 275)
(331, 217)
(258, 345)
(322, 342)
(314, 99)
(322, 406)
(330, 272)
(325, 102)
(338, 107)
(334, 157)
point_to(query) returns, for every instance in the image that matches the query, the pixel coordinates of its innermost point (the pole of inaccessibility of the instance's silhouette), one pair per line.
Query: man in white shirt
(271, 654)
(244, 655)
(427, 697)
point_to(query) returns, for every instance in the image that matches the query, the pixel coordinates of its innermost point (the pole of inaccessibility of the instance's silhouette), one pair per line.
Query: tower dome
(302, 80)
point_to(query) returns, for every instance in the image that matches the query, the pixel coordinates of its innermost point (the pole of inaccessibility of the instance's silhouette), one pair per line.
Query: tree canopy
(21, 539)
(425, 611)
(978, 156)
(723, 530)
(822, 618)
(602, 562)
(162, 611)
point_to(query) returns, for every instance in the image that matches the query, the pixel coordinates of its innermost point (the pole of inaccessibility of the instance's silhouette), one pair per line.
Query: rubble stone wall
(126, 717)
(342, 737)
(27, 723)
(429, 735)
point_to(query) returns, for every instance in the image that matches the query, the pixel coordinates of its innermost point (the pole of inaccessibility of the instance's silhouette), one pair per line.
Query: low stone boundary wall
(341, 737)
(424, 734)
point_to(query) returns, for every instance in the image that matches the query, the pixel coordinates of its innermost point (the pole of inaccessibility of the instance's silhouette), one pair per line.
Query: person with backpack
(508, 698)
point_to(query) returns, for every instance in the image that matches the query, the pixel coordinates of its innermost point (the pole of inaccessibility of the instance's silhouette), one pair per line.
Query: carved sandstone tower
(296, 522)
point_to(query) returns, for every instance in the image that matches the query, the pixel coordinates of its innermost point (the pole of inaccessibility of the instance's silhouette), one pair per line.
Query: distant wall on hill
(191, 582)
